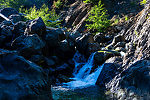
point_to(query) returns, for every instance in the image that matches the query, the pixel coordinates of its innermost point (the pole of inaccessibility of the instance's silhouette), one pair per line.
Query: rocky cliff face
(131, 79)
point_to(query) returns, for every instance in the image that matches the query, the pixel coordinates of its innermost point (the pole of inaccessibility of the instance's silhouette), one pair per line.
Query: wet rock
(28, 45)
(110, 70)
(15, 18)
(101, 56)
(82, 43)
(64, 69)
(21, 79)
(36, 26)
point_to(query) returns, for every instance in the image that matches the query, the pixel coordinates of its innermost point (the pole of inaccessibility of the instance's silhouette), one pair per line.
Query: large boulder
(19, 29)
(36, 26)
(15, 18)
(28, 45)
(82, 43)
(109, 71)
(8, 11)
(101, 56)
(21, 79)
(6, 36)
(135, 80)
(65, 51)
(54, 36)
(101, 38)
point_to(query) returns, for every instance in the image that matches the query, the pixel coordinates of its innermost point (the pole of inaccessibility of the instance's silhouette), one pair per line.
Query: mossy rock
(101, 56)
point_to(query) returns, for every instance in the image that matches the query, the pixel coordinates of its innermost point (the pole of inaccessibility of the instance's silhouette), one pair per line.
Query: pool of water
(88, 93)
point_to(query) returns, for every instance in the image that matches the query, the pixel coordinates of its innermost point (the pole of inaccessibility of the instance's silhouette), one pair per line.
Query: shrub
(50, 18)
(57, 4)
(98, 18)
(12, 3)
(18, 3)
(143, 2)
(91, 1)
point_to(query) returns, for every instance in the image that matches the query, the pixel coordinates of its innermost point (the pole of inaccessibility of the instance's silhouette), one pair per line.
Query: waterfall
(82, 72)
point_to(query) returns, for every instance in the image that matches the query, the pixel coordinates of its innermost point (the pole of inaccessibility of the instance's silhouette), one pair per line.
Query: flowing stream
(82, 86)
(83, 77)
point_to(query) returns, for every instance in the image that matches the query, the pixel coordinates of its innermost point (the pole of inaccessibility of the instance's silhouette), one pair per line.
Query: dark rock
(65, 51)
(100, 38)
(82, 43)
(137, 75)
(38, 59)
(109, 71)
(64, 69)
(53, 37)
(8, 11)
(6, 23)
(21, 79)
(93, 47)
(135, 79)
(28, 45)
(2, 40)
(101, 56)
(120, 44)
(36, 26)
(6, 37)
(50, 62)
(19, 29)
(6, 30)
(118, 38)
(15, 18)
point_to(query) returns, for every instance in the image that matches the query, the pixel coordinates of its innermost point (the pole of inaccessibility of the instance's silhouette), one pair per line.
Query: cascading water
(82, 74)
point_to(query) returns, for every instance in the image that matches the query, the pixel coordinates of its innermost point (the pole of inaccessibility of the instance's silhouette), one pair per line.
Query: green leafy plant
(91, 1)
(143, 2)
(12, 3)
(18, 3)
(50, 18)
(57, 4)
(126, 18)
(98, 18)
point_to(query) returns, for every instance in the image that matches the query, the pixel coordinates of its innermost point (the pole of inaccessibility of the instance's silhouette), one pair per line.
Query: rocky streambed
(33, 57)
